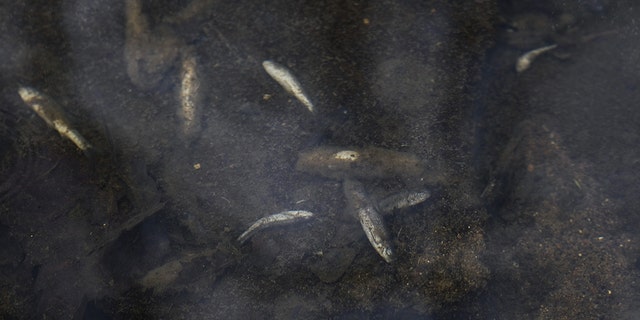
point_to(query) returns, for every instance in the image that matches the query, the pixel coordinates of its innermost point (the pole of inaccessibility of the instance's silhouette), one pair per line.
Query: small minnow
(524, 61)
(189, 95)
(277, 219)
(53, 115)
(284, 77)
(403, 200)
(370, 219)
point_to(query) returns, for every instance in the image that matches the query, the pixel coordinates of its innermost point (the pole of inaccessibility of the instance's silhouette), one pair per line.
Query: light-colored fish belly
(285, 78)
(189, 96)
(524, 61)
(277, 219)
(72, 135)
(53, 115)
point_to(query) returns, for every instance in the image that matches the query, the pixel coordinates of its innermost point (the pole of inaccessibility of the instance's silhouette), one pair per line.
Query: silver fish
(53, 115)
(524, 61)
(370, 219)
(277, 219)
(284, 77)
(403, 200)
(189, 95)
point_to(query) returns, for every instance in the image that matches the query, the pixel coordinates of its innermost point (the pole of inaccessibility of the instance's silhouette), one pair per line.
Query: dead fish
(359, 163)
(53, 115)
(163, 277)
(277, 219)
(370, 218)
(283, 76)
(403, 200)
(524, 61)
(189, 95)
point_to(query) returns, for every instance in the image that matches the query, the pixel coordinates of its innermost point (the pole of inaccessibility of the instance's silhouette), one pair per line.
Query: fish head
(386, 252)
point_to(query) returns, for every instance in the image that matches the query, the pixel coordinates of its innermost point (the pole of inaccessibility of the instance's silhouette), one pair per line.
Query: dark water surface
(534, 176)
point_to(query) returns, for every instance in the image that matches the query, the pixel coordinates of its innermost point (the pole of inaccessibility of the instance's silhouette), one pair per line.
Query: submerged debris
(284, 77)
(524, 61)
(148, 53)
(54, 116)
(370, 218)
(277, 219)
(366, 163)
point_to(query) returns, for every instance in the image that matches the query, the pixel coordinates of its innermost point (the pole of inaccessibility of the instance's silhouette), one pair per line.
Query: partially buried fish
(54, 116)
(284, 77)
(359, 163)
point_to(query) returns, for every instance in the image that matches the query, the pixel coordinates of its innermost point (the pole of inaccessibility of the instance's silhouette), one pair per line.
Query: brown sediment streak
(137, 24)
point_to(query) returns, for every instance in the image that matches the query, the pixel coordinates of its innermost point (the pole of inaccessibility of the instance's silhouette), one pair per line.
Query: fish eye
(348, 155)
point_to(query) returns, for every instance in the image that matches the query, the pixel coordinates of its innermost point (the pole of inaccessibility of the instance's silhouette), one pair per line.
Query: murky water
(532, 175)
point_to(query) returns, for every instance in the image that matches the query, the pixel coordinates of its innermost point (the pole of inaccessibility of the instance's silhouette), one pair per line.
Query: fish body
(370, 219)
(359, 163)
(285, 78)
(189, 95)
(277, 219)
(53, 115)
(524, 61)
(403, 200)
